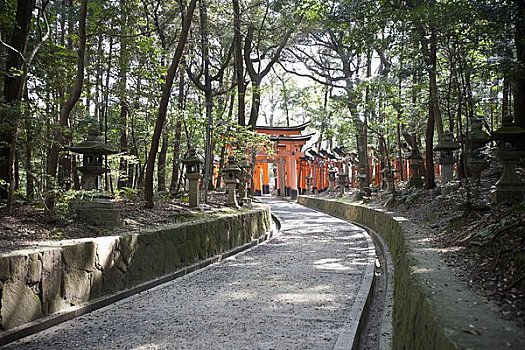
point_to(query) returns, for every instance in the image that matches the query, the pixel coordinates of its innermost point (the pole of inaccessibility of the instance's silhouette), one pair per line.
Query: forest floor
(29, 226)
(483, 244)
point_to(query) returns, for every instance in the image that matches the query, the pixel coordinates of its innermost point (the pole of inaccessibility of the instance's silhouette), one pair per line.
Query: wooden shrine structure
(297, 170)
(290, 167)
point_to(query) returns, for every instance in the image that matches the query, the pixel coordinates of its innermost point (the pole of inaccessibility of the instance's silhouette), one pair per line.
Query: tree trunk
(256, 77)
(519, 90)
(208, 92)
(123, 179)
(223, 148)
(13, 89)
(163, 107)
(433, 88)
(174, 185)
(256, 102)
(67, 108)
(161, 167)
(434, 117)
(239, 66)
(30, 187)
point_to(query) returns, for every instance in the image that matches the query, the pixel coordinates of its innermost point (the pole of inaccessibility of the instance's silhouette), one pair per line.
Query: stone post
(309, 184)
(244, 179)
(193, 163)
(342, 179)
(476, 162)
(446, 147)
(332, 172)
(361, 176)
(415, 165)
(510, 187)
(231, 179)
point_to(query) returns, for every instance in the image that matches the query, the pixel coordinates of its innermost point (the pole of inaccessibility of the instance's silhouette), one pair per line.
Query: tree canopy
(156, 77)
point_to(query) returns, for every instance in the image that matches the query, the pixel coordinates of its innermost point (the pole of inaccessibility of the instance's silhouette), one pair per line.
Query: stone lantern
(386, 175)
(193, 173)
(510, 186)
(361, 177)
(93, 150)
(415, 165)
(342, 180)
(446, 147)
(244, 179)
(476, 162)
(231, 174)
(96, 209)
(309, 184)
(332, 172)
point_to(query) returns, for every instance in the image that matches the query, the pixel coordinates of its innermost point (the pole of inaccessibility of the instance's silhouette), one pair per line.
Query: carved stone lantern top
(447, 143)
(93, 149)
(192, 162)
(231, 170)
(362, 173)
(92, 145)
(477, 137)
(414, 155)
(508, 134)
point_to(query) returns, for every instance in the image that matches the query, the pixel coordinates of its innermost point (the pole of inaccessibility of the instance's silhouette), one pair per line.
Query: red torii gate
(288, 152)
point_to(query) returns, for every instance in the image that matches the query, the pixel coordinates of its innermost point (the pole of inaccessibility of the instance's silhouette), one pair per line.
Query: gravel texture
(296, 291)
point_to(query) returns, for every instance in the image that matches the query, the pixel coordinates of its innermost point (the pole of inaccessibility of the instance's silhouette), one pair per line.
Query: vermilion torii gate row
(295, 171)
(290, 165)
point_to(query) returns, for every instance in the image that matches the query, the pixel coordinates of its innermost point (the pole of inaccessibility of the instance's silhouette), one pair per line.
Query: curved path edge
(432, 308)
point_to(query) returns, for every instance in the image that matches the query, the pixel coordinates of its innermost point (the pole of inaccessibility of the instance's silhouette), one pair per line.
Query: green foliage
(128, 193)
(332, 43)
(66, 197)
(312, 10)
(8, 9)
(240, 138)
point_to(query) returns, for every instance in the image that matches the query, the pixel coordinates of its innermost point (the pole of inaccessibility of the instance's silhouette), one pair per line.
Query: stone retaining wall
(45, 280)
(432, 309)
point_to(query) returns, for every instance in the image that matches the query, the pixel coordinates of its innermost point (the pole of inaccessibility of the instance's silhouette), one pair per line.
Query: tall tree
(13, 89)
(163, 107)
(239, 66)
(66, 109)
(123, 180)
(519, 38)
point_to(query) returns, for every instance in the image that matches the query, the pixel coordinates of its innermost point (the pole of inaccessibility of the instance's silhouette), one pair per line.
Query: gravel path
(300, 290)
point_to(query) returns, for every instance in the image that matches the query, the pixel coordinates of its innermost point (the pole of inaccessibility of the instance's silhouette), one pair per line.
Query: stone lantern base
(508, 194)
(99, 211)
(510, 186)
(415, 181)
(232, 195)
(193, 193)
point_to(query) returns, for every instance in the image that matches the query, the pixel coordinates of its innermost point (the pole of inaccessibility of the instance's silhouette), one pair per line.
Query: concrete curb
(385, 322)
(76, 311)
(349, 336)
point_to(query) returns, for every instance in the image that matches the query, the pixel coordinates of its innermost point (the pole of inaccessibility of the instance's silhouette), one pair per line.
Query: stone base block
(507, 194)
(99, 211)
